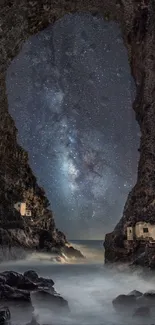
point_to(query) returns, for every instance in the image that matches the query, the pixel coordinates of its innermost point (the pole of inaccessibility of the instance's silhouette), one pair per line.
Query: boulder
(7, 293)
(11, 278)
(31, 275)
(39, 282)
(71, 252)
(122, 302)
(5, 316)
(42, 291)
(45, 283)
(143, 311)
(142, 301)
(135, 293)
(150, 294)
(17, 280)
(45, 299)
(147, 299)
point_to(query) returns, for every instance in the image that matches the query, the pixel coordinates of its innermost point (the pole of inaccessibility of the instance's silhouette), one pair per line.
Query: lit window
(145, 230)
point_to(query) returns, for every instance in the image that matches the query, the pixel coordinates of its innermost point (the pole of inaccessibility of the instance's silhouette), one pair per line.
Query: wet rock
(5, 316)
(31, 275)
(150, 294)
(71, 252)
(18, 280)
(143, 311)
(2, 279)
(46, 284)
(124, 301)
(142, 301)
(58, 259)
(40, 282)
(135, 293)
(42, 291)
(147, 299)
(7, 293)
(42, 298)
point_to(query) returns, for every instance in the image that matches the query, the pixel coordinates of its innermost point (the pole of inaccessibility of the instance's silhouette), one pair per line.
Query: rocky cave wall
(21, 19)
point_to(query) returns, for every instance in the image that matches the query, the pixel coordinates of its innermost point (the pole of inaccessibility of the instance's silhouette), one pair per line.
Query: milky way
(70, 93)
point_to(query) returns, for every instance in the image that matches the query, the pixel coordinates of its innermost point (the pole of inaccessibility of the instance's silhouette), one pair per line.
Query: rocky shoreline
(29, 292)
(23, 291)
(136, 305)
(62, 255)
(118, 250)
(17, 243)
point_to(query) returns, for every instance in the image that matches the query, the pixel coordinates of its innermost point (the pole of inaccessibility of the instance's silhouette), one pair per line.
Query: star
(70, 93)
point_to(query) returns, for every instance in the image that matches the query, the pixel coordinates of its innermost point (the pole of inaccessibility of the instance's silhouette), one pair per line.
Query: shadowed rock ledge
(136, 306)
(23, 293)
(17, 182)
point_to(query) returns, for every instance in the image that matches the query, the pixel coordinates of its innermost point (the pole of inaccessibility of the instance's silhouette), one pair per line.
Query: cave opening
(70, 94)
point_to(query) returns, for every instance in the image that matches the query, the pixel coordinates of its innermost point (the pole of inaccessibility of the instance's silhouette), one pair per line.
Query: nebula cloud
(70, 93)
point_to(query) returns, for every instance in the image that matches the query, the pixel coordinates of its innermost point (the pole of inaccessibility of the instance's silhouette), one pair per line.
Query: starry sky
(70, 93)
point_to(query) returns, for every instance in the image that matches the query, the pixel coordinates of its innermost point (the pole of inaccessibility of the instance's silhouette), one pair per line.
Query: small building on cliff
(22, 209)
(143, 231)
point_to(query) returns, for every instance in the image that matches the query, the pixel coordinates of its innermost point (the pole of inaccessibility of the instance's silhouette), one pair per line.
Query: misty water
(88, 287)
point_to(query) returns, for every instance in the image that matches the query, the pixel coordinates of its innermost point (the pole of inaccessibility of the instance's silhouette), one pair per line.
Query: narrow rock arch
(21, 19)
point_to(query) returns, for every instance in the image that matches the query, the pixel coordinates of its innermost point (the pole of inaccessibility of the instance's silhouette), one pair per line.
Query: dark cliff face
(137, 20)
(18, 184)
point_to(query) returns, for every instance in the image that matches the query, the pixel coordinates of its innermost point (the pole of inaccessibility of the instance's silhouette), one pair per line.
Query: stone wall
(141, 234)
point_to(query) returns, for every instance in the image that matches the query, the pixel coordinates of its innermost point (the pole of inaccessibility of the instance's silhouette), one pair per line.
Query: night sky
(70, 93)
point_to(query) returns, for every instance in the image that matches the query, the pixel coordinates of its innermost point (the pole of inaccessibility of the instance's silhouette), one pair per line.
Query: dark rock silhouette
(42, 294)
(136, 304)
(142, 312)
(124, 302)
(45, 299)
(8, 293)
(135, 293)
(19, 281)
(32, 276)
(5, 316)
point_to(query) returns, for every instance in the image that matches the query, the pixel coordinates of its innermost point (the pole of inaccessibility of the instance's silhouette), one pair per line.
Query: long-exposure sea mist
(88, 287)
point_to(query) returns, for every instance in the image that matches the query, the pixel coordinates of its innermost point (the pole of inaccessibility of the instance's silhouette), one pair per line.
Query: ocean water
(93, 250)
(89, 288)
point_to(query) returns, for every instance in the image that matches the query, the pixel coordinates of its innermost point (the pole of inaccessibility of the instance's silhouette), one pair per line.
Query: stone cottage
(141, 231)
(21, 207)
